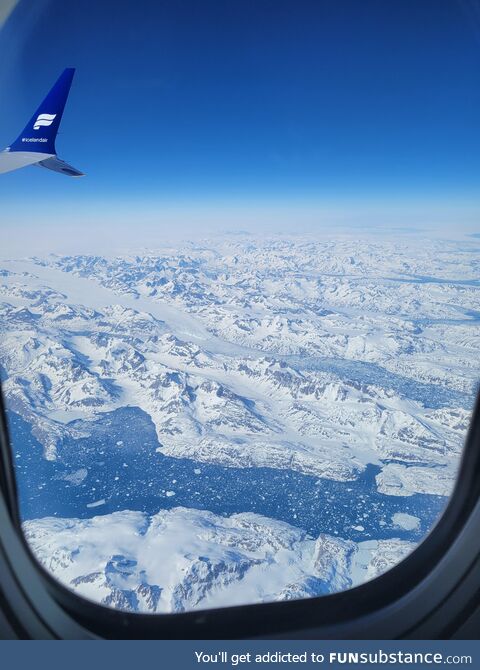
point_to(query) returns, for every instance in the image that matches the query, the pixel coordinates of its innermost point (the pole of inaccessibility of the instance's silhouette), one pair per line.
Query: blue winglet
(40, 132)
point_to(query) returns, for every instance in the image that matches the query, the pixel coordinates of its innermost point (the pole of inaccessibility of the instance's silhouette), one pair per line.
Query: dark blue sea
(135, 476)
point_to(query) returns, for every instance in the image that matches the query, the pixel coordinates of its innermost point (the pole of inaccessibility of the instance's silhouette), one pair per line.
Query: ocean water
(432, 396)
(96, 475)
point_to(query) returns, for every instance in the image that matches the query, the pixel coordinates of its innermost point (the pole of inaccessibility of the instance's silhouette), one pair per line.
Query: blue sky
(268, 103)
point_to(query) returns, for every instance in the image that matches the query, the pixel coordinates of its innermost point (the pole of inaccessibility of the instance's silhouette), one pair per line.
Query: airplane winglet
(36, 143)
(40, 132)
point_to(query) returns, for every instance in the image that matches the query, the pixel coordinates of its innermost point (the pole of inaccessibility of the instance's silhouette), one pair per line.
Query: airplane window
(239, 334)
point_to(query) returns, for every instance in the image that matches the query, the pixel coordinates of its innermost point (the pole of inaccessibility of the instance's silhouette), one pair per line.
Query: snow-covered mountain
(327, 383)
(184, 559)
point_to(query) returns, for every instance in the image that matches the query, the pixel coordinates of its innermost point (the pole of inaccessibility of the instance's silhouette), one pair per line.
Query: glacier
(320, 382)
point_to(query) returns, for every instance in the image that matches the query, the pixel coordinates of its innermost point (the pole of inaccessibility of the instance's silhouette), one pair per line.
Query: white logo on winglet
(43, 120)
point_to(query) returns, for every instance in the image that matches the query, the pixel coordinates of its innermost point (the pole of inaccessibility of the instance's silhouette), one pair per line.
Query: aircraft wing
(56, 164)
(12, 160)
(36, 143)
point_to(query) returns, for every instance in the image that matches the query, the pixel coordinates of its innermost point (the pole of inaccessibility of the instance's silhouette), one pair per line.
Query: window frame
(430, 594)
